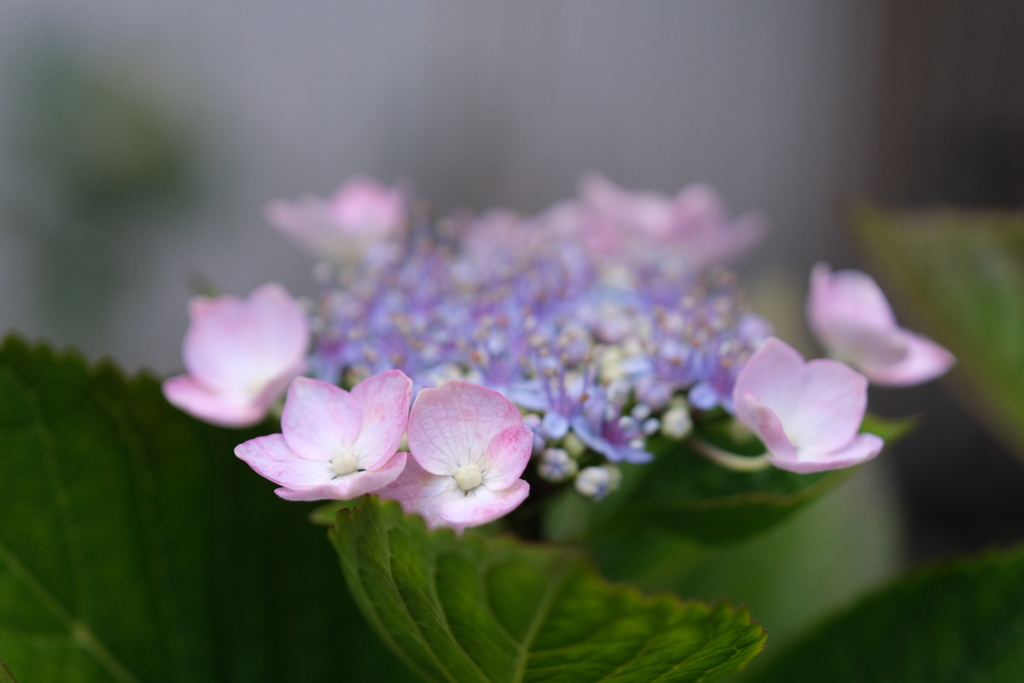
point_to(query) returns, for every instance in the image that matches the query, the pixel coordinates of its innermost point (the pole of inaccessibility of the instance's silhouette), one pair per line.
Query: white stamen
(344, 463)
(468, 477)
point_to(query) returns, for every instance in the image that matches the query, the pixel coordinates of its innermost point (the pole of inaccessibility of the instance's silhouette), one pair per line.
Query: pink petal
(229, 411)
(860, 346)
(697, 207)
(482, 505)
(507, 455)
(319, 419)
(772, 374)
(765, 423)
(450, 426)
(925, 360)
(351, 485)
(271, 457)
(420, 492)
(845, 298)
(862, 448)
(238, 345)
(384, 400)
(833, 398)
(364, 206)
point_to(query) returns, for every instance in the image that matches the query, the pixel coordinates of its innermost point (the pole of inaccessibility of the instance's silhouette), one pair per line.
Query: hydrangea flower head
(240, 355)
(853, 321)
(362, 219)
(806, 413)
(469, 447)
(335, 444)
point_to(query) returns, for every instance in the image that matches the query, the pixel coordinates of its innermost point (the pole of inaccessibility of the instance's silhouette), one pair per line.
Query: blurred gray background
(139, 142)
(481, 103)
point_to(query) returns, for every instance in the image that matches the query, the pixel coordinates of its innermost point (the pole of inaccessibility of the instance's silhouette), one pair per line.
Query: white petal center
(344, 462)
(468, 477)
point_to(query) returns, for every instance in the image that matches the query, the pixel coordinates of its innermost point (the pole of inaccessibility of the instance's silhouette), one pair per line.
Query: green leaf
(5, 674)
(962, 275)
(960, 623)
(134, 546)
(492, 609)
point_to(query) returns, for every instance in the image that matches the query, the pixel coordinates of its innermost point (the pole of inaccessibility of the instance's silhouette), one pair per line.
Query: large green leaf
(493, 609)
(961, 623)
(135, 547)
(962, 274)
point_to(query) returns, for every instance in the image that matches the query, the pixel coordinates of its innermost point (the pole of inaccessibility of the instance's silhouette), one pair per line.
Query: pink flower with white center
(335, 444)
(853, 321)
(694, 225)
(806, 413)
(363, 218)
(240, 355)
(469, 448)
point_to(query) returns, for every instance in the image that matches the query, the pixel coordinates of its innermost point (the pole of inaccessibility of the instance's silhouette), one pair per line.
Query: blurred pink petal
(361, 216)
(335, 444)
(240, 355)
(692, 228)
(853, 321)
(925, 361)
(862, 448)
(806, 413)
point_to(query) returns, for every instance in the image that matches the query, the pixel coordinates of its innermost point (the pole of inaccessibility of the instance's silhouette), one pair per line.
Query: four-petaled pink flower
(335, 445)
(240, 355)
(853, 321)
(694, 225)
(806, 413)
(362, 219)
(469, 448)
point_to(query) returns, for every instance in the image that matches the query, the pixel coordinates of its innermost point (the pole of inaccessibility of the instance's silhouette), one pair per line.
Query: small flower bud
(650, 425)
(598, 482)
(676, 423)
(572, 444)
(640, 412)
(556, 465)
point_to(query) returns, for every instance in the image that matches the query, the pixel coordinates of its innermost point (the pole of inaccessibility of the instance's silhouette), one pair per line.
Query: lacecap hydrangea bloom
(550, 349)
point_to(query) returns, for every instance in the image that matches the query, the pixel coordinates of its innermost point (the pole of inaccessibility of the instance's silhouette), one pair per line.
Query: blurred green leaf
(134, 546)
(683, 492)
(661, 527)
(5, 674)
(960, 623)
(962, 275)
(493, 609)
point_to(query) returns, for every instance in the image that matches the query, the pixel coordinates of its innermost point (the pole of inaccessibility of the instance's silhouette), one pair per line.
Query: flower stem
(730, 461)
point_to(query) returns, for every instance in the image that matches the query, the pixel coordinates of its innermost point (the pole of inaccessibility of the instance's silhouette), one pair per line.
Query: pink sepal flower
(335, 444)
(469, 447)
(853, 321)
(806, 413)
(694, 225)
(362, 219)
(240, 355)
